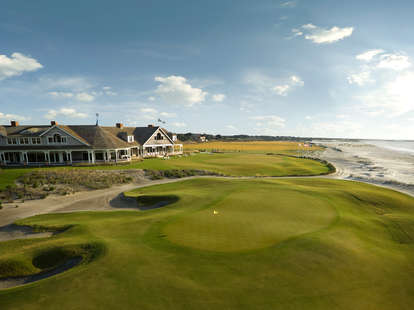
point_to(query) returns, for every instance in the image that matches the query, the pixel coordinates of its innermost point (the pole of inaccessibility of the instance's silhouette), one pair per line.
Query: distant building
(203, 139)
(56, 144)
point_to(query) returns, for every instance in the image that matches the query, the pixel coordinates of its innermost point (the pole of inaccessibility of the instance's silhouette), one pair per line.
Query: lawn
(235, 164)
(286, 147)
(227, 244)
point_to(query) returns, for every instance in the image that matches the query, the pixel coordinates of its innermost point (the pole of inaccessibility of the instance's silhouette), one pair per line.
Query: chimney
(53, 123)
(14, 123)
(150, 126)
(119, 125)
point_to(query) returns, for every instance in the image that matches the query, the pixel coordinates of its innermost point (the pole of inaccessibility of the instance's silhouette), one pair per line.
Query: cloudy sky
(301, 67)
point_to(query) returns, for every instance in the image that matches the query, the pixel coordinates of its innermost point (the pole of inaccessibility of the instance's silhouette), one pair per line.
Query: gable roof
(24, 131)
(141, 134)
(99, 137)
(94, 136)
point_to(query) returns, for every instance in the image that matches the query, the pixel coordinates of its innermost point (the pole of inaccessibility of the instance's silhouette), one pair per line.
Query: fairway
(232, 164)
(279, 147)
(227, 244)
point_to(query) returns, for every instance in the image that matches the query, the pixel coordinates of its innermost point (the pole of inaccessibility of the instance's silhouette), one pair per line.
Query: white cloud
(219, 97)
(320, 35)
(288, 4)
(151, 98)
(148, 110)
(394, 98)
(179, 124)
(269, 120)
(377, 61)
(66, 112)
(395, 62)
(168, 114)
(369, 55)
(16, 65)
(107, 90)
(61, 94)
(360, 78)
(176, 90)
(337, 129)
(68, 84)
(83, 96)
(294, 81)
(151, 113)
(308, 117)
(5, 117)
(231, 127)
(281, 90)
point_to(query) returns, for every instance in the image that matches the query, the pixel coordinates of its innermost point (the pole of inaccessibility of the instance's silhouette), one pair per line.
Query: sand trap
(17, 281)
(12, 232)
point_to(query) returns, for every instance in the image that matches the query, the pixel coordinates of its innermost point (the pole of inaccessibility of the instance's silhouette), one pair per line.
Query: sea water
(399, 146)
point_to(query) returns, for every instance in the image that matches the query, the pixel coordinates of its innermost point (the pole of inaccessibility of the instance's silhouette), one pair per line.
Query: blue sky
(304, 68)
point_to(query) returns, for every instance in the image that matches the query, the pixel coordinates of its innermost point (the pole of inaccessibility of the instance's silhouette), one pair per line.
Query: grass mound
(272, 244)
(251, 218)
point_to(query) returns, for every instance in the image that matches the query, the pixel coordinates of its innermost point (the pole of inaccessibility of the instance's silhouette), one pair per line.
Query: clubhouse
(57, 144)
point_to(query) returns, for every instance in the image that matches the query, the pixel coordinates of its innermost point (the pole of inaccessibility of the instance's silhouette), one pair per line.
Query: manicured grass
(235, 164)
(285, 147)
(271, 244)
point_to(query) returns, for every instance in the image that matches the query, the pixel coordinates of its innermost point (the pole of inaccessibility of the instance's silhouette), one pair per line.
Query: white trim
(158, 145)
(56, 126)
(159, 128)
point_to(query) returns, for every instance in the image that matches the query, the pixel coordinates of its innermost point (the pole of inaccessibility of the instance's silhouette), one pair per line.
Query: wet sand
(365, 162)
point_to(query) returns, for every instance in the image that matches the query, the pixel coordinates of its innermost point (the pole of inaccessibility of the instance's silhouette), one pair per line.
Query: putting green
(252, 217)
(272, 244)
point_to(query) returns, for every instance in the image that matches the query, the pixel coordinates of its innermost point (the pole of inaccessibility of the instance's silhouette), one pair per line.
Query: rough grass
(274, 244)
(236, 164)
(291, 148)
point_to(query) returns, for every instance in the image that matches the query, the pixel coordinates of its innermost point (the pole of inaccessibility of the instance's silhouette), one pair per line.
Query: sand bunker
(17, 281)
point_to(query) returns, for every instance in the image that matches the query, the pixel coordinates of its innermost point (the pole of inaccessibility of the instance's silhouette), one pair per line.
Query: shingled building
(57, 144)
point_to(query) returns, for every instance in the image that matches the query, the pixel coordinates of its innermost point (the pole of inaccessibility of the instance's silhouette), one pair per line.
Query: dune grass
(271, 244)
(235, 164)
(279, 147)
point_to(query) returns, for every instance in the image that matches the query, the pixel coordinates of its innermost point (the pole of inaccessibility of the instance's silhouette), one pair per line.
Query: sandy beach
(366, 162)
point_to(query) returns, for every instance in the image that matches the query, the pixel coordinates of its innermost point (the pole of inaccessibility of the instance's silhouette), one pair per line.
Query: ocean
(400, 146)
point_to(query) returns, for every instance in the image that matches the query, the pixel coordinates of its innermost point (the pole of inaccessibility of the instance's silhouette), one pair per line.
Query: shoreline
(368, 163)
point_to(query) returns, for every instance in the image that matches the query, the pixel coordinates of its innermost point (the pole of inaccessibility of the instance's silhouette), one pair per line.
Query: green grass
(236, 164)
(274, 244)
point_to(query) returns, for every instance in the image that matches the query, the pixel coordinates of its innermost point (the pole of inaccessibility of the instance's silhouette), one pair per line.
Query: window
(57, 138)
(11, 140)
(159, 137)
(130, 139)
(36, 140)
(24, 140)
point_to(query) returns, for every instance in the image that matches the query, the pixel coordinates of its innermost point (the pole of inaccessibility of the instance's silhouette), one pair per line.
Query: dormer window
(56, 139)
(131, 139)
(159, 136)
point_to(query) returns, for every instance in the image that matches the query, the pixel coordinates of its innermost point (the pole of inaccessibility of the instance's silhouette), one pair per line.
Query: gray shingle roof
(92, 136)
(141, 134)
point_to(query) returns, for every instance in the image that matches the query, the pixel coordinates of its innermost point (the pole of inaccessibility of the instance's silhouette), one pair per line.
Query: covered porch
(67, 157)
(162, 150)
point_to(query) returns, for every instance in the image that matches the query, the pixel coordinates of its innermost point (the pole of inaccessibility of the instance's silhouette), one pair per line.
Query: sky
(320, 68)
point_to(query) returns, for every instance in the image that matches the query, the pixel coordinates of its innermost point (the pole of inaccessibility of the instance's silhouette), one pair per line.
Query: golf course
(220, 243)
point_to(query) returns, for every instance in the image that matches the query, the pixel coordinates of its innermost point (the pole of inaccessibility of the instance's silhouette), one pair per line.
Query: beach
(384, 163)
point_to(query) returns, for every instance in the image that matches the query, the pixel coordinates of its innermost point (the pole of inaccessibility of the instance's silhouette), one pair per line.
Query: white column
(60, 157)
